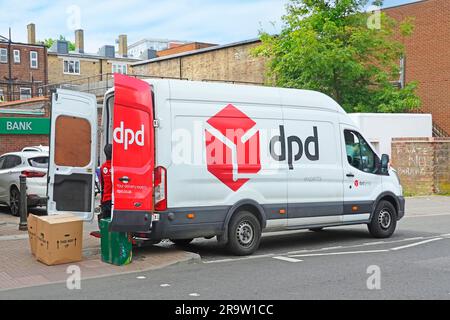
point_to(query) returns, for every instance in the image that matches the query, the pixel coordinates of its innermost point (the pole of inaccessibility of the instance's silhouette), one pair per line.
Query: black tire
(181, 242)
(384, 220)
(244, 234)
(14, 201)
(316, 229)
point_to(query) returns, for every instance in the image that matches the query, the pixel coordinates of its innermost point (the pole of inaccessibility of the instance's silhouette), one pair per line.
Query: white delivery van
(196, 159)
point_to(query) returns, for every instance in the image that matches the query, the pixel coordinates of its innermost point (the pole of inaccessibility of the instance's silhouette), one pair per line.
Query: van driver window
(359, 153)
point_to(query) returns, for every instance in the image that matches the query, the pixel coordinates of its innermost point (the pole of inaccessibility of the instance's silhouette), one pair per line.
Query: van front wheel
(384, 220)
(244, 234)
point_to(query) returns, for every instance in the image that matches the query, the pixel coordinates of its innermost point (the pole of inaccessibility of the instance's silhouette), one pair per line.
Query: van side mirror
(384, 163)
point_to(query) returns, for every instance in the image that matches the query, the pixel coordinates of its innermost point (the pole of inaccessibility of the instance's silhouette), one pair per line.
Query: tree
(49, 42)
(328, 46)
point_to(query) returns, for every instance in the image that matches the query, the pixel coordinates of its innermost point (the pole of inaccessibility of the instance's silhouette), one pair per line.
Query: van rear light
(160, 188)
(33, 174)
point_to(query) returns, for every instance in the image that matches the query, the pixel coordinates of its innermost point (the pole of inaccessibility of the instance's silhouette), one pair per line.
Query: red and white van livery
(196, 159)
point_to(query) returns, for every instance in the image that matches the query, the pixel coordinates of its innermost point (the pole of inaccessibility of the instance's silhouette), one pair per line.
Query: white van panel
(192, 185)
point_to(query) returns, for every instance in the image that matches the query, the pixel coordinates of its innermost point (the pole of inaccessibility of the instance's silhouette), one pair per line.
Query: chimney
(31, 28)
(79, 41)
(123, 46)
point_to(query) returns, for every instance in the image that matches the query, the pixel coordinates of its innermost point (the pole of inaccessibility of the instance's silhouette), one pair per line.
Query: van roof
(226, 92)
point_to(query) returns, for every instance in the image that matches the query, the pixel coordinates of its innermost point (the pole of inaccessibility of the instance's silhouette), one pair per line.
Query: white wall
(380, 128)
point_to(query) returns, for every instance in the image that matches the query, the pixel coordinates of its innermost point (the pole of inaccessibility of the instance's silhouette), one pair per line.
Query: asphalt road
(333, 264)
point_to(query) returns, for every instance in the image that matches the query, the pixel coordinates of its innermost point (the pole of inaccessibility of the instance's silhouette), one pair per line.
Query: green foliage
(49, 42)
(326, 45)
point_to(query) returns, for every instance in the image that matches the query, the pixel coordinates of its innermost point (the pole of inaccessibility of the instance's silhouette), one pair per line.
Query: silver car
(32, 164)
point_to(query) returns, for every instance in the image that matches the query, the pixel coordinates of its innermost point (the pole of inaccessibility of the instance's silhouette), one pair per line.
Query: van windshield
(359, 153)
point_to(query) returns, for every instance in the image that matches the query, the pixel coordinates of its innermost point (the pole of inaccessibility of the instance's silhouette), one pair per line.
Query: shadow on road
(292, 241)
(37, 211)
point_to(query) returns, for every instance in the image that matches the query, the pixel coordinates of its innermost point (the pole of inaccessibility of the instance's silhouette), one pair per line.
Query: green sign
(24, 125)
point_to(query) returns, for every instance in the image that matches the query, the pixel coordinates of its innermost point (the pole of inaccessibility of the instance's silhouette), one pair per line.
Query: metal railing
(97, 84)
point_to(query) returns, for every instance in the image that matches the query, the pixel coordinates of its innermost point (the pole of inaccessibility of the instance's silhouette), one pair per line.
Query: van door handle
(124, 179)
(350, 175)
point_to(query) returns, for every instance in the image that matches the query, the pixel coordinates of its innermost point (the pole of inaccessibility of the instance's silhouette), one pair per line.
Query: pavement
(338, 263)
(20, 269)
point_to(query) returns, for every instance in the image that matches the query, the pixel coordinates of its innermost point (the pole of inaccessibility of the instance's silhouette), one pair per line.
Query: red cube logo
(232, 147)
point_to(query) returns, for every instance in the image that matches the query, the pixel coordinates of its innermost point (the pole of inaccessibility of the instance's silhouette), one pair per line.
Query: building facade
(231, 63)
(427, 54)
(23, 68)
(83, 71)
(79, 67)
(139, 48)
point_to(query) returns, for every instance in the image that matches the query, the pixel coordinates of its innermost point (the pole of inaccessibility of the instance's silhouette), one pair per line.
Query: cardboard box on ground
(56, 239)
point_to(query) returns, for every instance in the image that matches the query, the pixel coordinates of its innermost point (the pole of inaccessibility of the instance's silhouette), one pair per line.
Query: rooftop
(199, 51)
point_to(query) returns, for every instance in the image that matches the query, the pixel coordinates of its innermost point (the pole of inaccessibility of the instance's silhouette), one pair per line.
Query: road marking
(141, 277)
(308, 253)
(415, 244)
(331, 248)
(164, 285)
(194, 294)
(287, 259)
(240, 259)
(427, 215)
(373, 243)
(338, 253)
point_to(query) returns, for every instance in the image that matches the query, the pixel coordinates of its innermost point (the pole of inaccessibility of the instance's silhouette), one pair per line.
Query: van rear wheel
(244, 234)
(384, 220)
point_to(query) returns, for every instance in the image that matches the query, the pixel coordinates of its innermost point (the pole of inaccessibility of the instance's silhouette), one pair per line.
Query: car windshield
(39, 162)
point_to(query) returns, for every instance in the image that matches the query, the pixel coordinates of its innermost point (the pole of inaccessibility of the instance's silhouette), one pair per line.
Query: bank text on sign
(24, 126)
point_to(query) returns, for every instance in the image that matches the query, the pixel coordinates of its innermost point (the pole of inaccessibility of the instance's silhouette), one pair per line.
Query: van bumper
(173, 224)
(401, 208)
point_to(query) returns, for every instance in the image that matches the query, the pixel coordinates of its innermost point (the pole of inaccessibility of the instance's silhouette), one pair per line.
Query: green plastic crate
(116, 247)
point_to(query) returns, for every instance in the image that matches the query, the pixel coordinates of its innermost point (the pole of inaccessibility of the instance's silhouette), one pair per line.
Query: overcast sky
(215, 21)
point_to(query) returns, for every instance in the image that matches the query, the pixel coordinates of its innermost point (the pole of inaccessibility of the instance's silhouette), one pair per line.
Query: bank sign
(24, 126)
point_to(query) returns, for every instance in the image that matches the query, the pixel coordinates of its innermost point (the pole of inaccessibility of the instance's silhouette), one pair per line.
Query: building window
(33, 59)
(3, 55)
(71, 66)
(25, 93)
(119, 68)
(16, 56)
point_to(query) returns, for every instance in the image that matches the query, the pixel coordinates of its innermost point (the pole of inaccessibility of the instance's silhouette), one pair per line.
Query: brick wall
(423, 164)
(89, 67)
(427, 54)
(24, 76)
(233, 63)
(14, 143)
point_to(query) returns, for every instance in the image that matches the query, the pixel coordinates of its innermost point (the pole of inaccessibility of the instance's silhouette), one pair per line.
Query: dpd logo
(232, 147)
(127, 137)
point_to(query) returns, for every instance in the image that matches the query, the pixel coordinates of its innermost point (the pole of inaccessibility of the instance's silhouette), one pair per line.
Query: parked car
(32, 164)
(36, 149)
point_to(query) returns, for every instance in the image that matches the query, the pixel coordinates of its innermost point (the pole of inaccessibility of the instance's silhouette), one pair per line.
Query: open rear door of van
(73, 154)
(133, 155)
